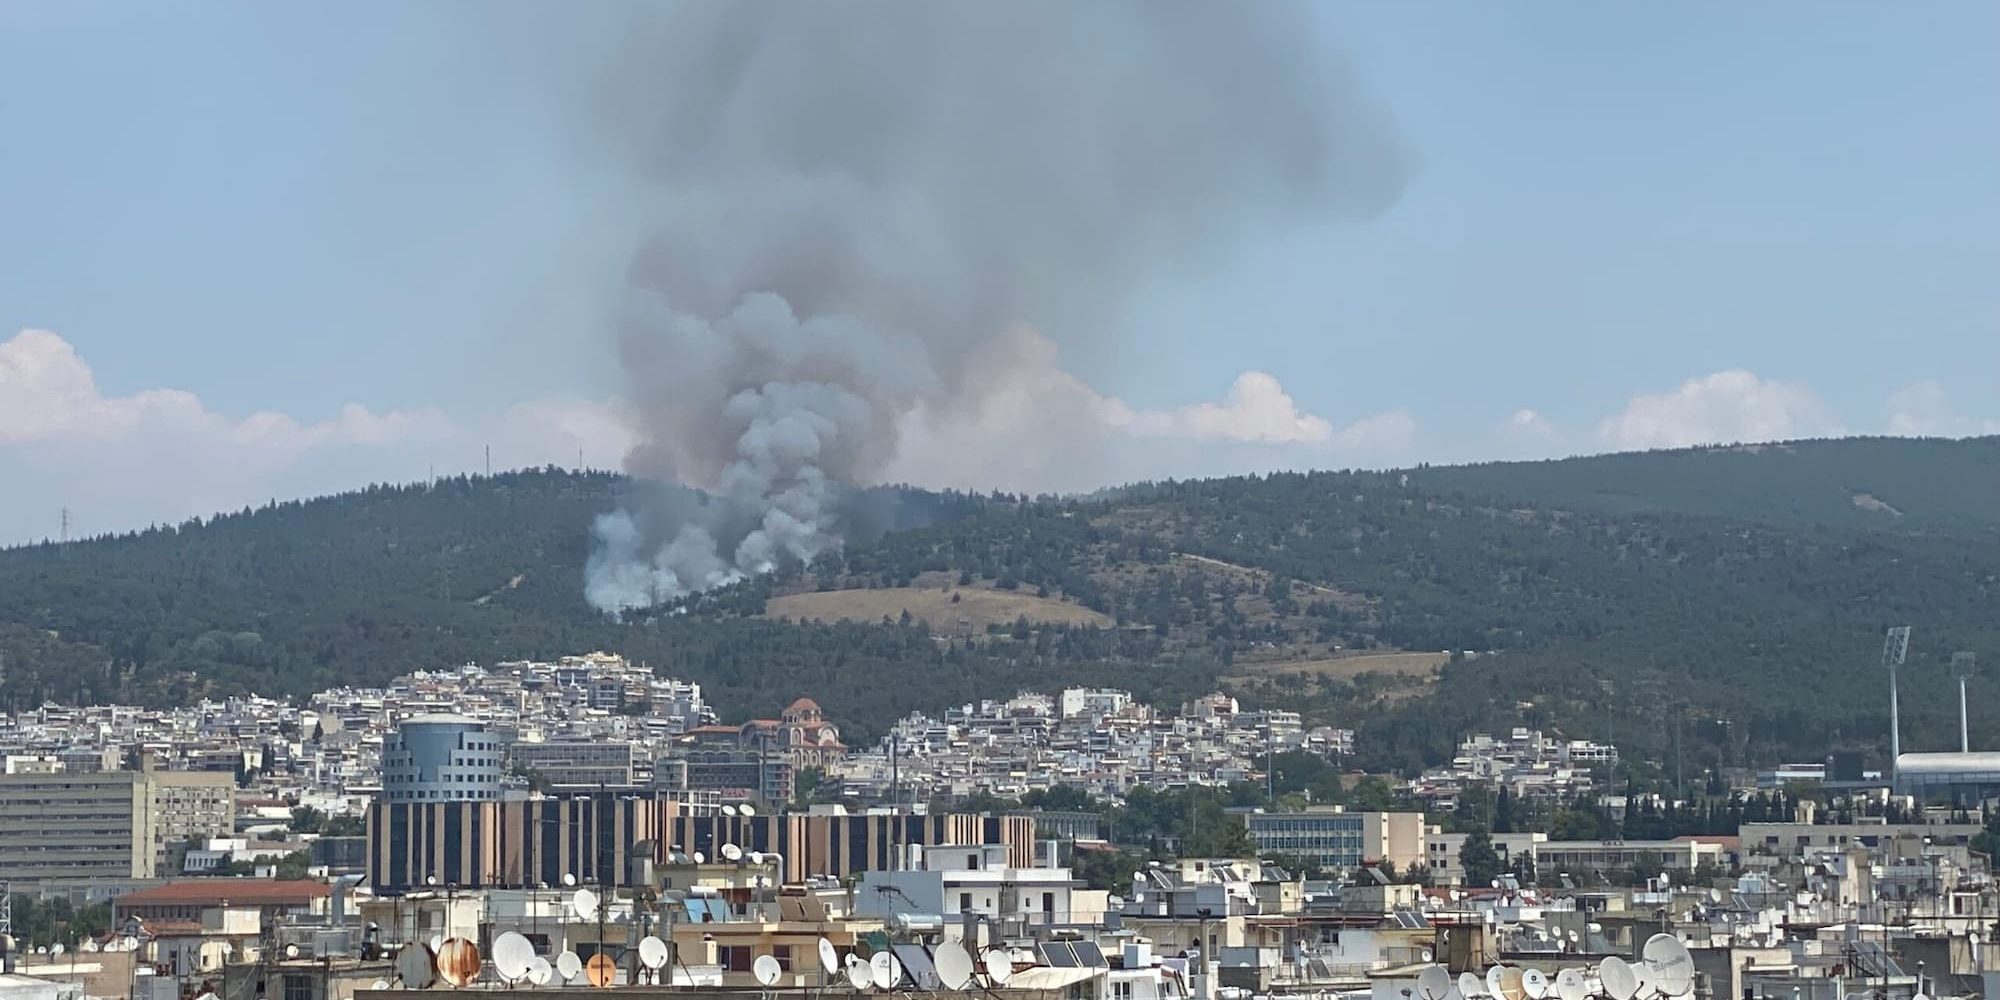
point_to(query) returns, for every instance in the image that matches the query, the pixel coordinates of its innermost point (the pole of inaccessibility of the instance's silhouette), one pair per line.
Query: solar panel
(1318, 968)
(1059, 955)
(1089, 955)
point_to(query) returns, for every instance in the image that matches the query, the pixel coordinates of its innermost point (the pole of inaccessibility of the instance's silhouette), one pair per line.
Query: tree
(1478, 862)
(306, 819)
(1107, 868)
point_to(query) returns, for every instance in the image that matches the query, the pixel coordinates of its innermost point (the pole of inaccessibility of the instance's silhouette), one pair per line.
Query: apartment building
(1336, 838)
(105, 826)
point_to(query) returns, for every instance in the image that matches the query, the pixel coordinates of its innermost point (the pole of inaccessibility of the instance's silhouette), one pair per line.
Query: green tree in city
(1478, 862)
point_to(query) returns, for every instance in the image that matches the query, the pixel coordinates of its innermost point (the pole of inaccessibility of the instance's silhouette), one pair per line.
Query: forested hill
(1894, 483)
(1567, 605)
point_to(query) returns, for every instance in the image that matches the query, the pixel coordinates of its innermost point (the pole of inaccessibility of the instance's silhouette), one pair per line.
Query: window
(964, 902)
(298, 988)
(1121, 989)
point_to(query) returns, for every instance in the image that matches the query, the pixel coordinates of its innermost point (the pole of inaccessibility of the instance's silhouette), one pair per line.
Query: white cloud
(1725, 407)
(1925, 410)
(1026, 424)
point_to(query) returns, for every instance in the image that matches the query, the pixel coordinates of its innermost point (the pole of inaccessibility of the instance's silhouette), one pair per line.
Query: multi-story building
(105, 826)
(1336, 838)
(586, 763)
(442, 758)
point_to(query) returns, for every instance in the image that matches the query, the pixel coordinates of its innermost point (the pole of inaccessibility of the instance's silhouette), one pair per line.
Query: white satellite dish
(584, 902)
(860, 974)
(746, 810)
(954, 965)
(756, 857)
(1493, 981)
(829, 959)
(291, 950)
(1671, 967)
(568, 966)
(1510, 983)
(540, 971)
(732, 853)
(1427, 954)
(437, 943)
(1470, 985)
(512, 954)
(380, 984)
(999, 967)
(1434, 983)
(766, 969)
(1715, 895)
(1571, 985)
(729, 810)
(700, 858)
(887, 971)
(1535, 983)
(1620, 982)
(415, 966)
(1574, 937)
(569, 879)
(1642, 970)
(653, 952)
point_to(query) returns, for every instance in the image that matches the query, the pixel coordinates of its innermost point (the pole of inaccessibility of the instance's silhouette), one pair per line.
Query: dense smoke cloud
(857, 202)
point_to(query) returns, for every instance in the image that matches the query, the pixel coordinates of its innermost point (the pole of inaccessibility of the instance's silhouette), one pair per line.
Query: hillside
(1895, 483)
(1564, 601)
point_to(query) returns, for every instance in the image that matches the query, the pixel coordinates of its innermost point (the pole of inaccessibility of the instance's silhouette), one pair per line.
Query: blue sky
(359, 240)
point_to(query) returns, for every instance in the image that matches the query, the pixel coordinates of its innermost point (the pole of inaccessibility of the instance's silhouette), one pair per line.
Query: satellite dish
(829, 960)
(568, 965)
(380, 984)
(128, 943)
(756, 857)
(729, 810)
(653, 952)
(600, 971)
(860, 974)
(1642, 970)
(1493, 981)
(569, 878)
(765, 968)
(1470, 985)
(458, 961)
(1574, 937)
(1434, 983)
(1427, 954)
(887, 971)
(291, 950)
(1535, 983)
(746, 810)
(585, 903)
(1620, 982)
(512, 954)
(1570, 985)
(999, 967)
(731, 852)
(540, 971)
(700, 858)
(1715, 895)
(954, 965)
(1671, 968)
(437, 943)
(1510, 984)
(415, 967)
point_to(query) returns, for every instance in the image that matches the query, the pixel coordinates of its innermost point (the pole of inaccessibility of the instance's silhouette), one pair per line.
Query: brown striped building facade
(595, 836)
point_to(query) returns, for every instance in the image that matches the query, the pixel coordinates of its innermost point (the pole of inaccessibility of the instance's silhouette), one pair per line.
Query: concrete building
(976, 881)
(581, 763)
(442, 758)
(106, 826)
(1336, 838)
(1576, 856)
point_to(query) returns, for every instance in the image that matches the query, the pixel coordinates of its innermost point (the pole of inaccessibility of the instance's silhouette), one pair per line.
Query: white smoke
(857, 201)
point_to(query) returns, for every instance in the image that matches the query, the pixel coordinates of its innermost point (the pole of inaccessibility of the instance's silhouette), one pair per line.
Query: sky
(264, 251)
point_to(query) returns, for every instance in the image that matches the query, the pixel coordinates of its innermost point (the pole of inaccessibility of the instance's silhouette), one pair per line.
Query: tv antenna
(65, 525)
(1895, 648)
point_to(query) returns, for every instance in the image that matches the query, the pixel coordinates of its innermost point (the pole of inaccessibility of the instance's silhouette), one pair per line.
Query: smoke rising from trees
(850, 203)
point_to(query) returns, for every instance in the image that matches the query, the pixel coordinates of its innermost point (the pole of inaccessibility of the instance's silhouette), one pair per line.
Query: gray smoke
(852, 198)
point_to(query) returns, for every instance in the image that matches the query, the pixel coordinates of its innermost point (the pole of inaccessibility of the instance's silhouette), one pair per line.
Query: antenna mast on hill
(65, 525)
(1895, 648)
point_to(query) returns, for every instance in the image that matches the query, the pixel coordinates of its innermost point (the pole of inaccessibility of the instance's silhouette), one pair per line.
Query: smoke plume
(853, 202)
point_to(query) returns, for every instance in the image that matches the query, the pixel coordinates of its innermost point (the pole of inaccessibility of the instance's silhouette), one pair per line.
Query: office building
(582, 763)
(442, 758)
(1335, 838)
(105, 826)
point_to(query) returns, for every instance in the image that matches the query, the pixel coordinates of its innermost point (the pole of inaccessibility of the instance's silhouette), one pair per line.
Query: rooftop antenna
(1961, 664)
(1895, 648)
